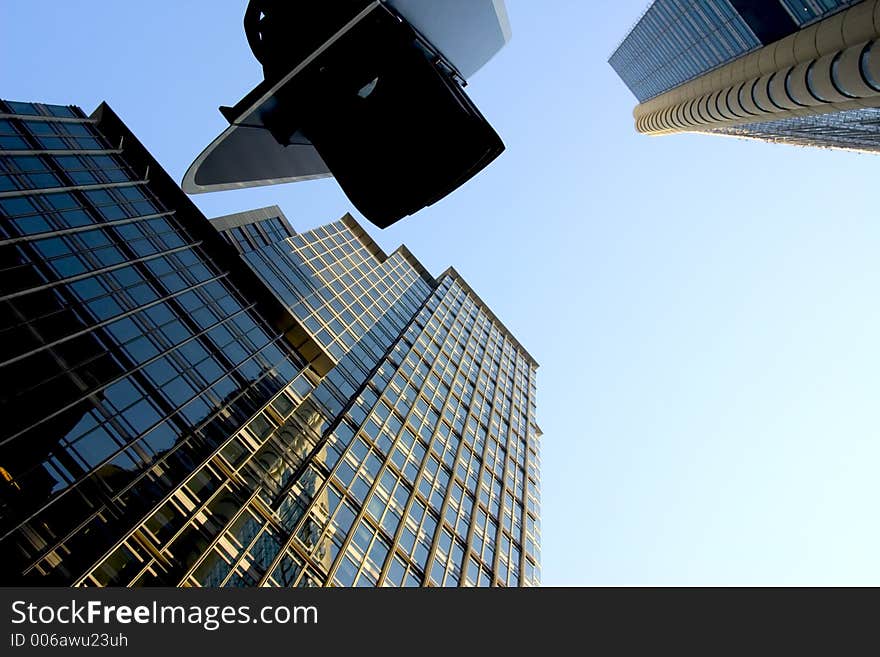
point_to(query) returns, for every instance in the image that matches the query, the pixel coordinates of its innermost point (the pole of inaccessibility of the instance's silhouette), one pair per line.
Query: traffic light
(357, 89)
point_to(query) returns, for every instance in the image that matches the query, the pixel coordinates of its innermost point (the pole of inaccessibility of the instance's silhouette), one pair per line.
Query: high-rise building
(230, 403)
(795, 71)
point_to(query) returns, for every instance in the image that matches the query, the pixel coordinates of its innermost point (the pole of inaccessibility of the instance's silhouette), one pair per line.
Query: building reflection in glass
(232, 403)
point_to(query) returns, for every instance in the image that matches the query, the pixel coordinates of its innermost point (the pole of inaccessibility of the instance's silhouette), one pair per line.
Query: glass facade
(805, 12)
(853, 129)
(676, 41)
(166, 425)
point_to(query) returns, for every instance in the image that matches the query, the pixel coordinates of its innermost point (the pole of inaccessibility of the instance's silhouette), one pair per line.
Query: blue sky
(704, 309)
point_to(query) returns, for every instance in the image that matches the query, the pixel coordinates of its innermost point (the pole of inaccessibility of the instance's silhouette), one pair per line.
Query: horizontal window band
(82, 229)
(63, 151)
(96, 272)
(71, 188)
(105, 322)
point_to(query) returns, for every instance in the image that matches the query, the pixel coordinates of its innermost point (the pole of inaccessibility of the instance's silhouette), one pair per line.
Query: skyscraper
(795, 71)
(231, 403)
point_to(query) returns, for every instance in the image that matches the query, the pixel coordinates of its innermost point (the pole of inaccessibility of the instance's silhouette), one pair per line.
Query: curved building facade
(819, 85)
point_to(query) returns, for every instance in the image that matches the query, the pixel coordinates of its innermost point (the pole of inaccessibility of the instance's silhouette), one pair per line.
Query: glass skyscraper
(678, 40)
(795, 71)
(230, 403)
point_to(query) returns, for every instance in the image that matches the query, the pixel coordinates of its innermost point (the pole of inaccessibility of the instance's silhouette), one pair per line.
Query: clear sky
(705, 310)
